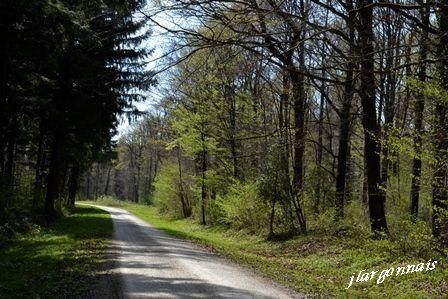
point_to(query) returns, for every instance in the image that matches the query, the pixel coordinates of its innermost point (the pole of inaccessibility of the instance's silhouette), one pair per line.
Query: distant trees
(69, 68)
(129, 173)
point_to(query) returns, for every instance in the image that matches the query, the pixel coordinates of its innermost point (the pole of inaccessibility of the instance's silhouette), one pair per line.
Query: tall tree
(376, 196)
(419, 106)
(440, 191)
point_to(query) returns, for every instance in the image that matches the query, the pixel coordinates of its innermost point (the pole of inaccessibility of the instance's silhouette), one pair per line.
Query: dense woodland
(68, 70)
(276, 117)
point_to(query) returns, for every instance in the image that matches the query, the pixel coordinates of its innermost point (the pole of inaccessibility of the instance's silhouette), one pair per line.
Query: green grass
(317, 265)
(58, 260)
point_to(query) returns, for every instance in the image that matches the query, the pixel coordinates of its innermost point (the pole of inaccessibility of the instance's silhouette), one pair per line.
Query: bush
(173, 196)
(412, 239)
(243, 208)
(354, 222)
(108, 200)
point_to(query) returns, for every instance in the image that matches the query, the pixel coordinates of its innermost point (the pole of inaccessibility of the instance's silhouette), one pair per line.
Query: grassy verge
(320, 265)
(56, 261)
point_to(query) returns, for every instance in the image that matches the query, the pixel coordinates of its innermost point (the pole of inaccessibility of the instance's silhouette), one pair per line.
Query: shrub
(108, 200)
(243, 208)
(412, 239)
(173, 196)
(354, 222)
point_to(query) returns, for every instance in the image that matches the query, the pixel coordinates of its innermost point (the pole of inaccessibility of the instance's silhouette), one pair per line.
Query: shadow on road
(147, 263)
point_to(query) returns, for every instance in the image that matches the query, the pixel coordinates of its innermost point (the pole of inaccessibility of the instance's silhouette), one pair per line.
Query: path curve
(152, 264)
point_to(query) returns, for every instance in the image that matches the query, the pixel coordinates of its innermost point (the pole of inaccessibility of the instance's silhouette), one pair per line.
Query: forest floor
(315, 265)
(58, 261)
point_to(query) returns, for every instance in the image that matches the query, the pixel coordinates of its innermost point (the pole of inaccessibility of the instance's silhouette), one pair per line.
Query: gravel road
(151, 264)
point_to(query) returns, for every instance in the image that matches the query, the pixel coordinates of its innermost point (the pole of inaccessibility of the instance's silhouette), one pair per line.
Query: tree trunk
(418, 117)
(203, 188)
(389, 101)
(54, 174)
(341, 177)
(73, 185)
(186, 209)
(298, 91)
(232, 120)
(38, 172)
(344, 127)
(58, 136)
(319, 157)
(440, 192)
(8, 175)
(376, 196)
(106, 187)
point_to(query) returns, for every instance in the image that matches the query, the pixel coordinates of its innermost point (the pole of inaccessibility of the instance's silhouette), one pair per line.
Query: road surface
(151, 264)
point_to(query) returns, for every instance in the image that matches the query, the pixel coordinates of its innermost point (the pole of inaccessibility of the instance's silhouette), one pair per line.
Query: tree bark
(418, 117)
(440, 192)
(298, 91)
(54, 174)
(203, 187)
(38, 171)
(319, 157)
(344, 127)
(376, 196)
(73, 185)
(341, 177)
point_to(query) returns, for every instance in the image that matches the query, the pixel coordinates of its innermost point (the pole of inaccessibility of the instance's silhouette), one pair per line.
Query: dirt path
(151, 264)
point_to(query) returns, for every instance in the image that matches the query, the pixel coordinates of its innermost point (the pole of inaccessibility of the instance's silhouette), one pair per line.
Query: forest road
(151, 264)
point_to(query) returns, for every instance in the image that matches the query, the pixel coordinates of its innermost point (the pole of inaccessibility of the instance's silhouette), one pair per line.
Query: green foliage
(242, 208)
(173, 196)
(354, 223)
(412, 238)
(193, 129)
(431, 90)
(110, 201)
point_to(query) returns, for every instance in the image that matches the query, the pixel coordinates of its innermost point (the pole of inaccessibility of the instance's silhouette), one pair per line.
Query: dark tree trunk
(88, 184)
(203, 187)
(8, 175)
(299, 128)
(365, 192)
(232, 120)
(117, 184)
(73, 185)
(344, 127)
(376, 196)
(389, 102)
(97, 179)
(298, 91)
(57, 120)
(137, 180)
(341, 177)
(440, 192)
(54, 174)
(319, 157)
(148, 181)
(106, 187)
(418, 118)
(38, 171)
(5, 97)
(186, 208)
